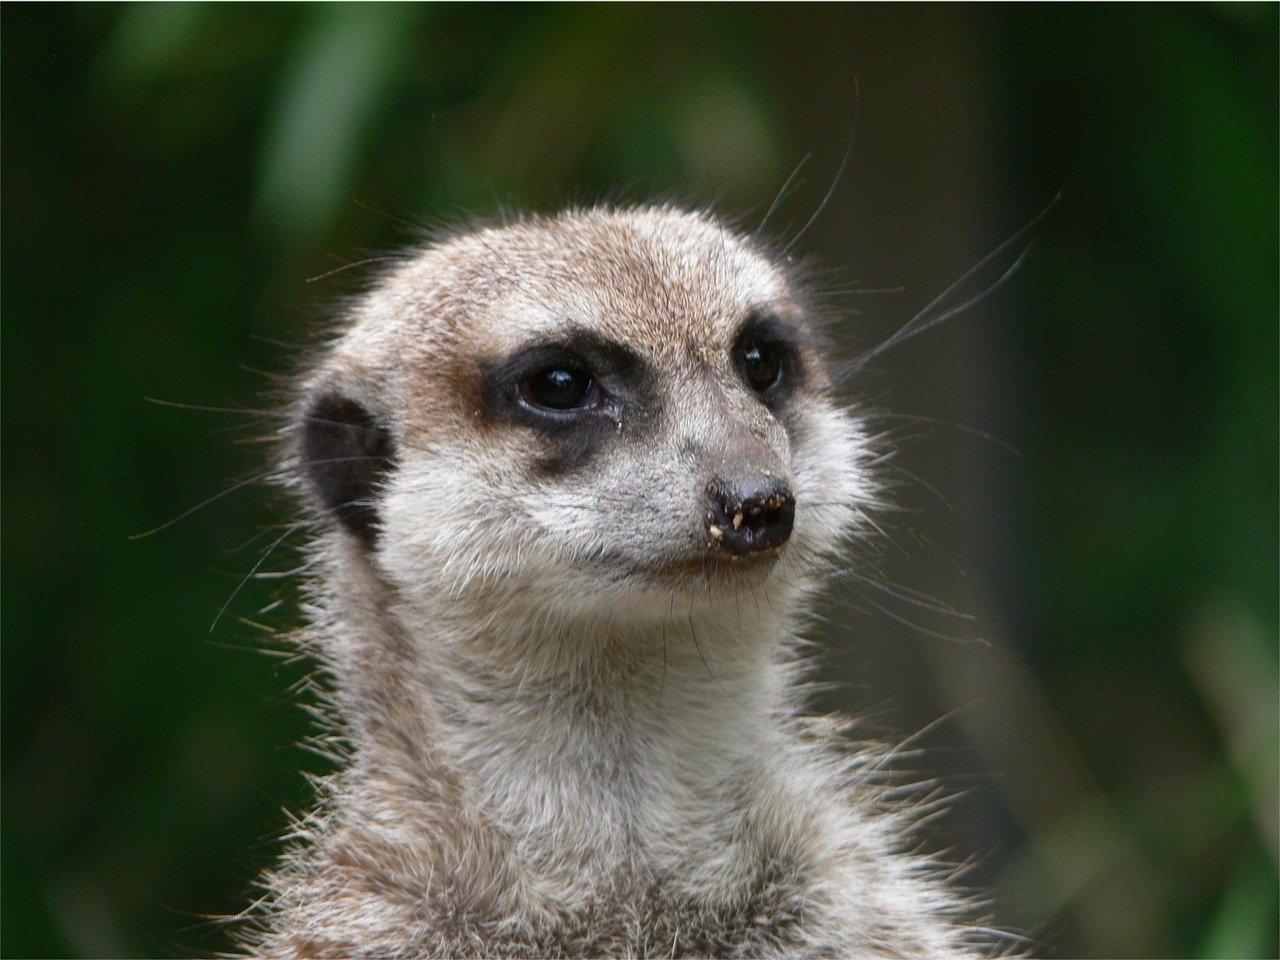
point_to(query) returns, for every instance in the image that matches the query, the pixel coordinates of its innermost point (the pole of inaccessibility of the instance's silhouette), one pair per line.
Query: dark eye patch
(767, 353)
(572, 390)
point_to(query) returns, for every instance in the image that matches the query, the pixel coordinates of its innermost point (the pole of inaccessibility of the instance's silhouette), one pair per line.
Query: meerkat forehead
(659, 279)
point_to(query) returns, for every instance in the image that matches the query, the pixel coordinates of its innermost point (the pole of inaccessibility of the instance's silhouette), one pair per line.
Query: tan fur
(571, 722)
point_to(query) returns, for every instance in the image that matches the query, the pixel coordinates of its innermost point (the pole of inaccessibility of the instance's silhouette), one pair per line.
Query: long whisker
(241, 484)
(831, 191)
(926, 319)
(253, 570)
(391, 258)
(238, 485)
(914, 597)
(203, 408)
(922, 321)
(908, 623)
(781, 195)
(939, 421)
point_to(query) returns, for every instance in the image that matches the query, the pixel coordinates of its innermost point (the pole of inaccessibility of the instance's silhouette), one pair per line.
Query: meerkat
(575, 480)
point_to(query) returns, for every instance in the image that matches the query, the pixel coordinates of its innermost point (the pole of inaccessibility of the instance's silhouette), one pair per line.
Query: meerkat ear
(345, 452)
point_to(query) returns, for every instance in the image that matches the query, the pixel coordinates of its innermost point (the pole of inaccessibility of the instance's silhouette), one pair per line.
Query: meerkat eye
(560, 388)
(762, 365)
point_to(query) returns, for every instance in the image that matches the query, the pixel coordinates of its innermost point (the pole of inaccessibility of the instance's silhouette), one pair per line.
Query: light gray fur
(562, 734)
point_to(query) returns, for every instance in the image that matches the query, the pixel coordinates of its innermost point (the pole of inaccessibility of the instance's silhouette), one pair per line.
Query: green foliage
(174, 173)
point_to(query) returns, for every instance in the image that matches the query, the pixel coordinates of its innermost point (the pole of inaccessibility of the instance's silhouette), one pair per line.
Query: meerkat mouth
(714, 567)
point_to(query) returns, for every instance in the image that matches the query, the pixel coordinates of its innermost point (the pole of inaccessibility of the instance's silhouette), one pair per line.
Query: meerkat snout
(750, 516)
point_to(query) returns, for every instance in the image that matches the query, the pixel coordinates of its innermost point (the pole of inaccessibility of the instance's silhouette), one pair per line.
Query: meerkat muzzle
(750, 517)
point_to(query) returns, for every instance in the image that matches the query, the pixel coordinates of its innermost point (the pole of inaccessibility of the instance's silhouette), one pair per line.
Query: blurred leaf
(1227, 655)
(1245, 923)
(337, 82)
(725, 135)
(148, 38)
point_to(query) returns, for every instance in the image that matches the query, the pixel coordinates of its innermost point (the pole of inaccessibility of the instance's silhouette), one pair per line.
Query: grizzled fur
(571, 715)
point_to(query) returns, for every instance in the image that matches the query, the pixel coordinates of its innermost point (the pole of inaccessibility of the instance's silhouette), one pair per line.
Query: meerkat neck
(620, 751)
(652, 679)
(617, 736)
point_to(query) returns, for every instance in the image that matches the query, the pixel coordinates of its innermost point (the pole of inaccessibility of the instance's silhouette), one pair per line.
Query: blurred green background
(175, 175)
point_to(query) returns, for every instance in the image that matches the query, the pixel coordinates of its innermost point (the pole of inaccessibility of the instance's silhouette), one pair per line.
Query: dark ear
(345, 453)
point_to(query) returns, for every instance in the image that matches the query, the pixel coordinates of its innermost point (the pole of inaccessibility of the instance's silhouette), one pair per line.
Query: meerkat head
(613, 413)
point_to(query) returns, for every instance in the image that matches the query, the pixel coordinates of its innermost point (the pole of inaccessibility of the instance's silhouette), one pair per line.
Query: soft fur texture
(570, 720)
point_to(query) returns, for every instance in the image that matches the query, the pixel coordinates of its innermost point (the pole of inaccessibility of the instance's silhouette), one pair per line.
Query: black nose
(751, 516)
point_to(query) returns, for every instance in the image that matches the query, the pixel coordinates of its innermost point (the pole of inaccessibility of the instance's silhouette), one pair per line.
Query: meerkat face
(609, 410)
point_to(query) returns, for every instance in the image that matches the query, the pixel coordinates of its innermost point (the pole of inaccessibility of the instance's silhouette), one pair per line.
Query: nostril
(750, 517)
